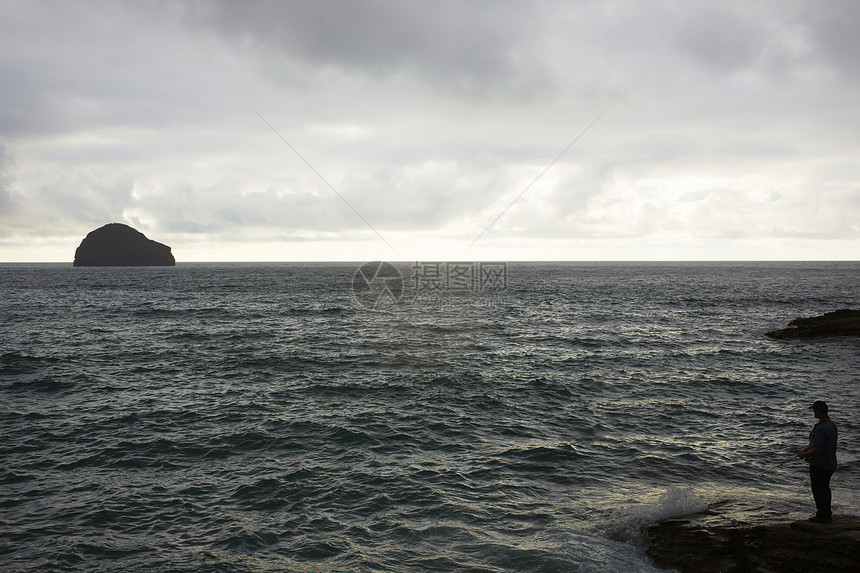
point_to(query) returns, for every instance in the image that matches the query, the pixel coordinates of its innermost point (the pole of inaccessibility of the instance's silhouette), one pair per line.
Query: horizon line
(358, 261)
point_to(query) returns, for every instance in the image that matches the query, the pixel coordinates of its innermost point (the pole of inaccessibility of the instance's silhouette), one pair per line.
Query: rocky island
(692, 545)
(118, 245)
(845, 322)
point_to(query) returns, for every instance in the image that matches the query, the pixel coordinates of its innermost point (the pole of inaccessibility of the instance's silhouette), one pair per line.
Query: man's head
(819, 409)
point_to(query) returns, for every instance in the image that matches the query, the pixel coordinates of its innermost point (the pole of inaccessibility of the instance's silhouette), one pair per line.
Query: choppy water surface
(254, 417)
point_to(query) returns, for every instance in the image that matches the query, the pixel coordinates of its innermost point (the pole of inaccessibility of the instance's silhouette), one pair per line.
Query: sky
(356, 130)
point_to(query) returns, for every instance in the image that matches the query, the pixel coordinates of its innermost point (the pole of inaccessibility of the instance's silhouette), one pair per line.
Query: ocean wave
(625, 524)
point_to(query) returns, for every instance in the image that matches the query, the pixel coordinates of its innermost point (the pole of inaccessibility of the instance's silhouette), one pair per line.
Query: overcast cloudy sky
(731, 129)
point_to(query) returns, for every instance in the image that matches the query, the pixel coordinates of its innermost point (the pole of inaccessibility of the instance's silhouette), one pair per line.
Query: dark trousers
(820, 480)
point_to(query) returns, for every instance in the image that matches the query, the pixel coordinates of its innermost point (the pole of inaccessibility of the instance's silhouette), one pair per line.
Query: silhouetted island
(118, 245)
(845, 322)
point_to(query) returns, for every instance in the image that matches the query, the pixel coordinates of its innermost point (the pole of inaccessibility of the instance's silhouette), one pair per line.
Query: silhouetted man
(821, 456)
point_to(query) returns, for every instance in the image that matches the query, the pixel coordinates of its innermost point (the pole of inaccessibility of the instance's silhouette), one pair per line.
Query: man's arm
(807, 452)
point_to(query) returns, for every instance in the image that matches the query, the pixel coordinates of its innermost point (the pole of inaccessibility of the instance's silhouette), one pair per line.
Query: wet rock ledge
(693, 546)
(845, 322)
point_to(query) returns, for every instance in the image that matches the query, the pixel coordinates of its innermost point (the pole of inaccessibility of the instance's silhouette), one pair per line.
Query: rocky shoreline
(693, 545)
(844, 322)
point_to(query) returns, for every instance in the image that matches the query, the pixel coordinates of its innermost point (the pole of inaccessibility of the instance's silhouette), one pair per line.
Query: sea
(408, 416)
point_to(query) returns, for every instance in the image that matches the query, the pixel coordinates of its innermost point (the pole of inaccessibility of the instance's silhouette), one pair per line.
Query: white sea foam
(676, 501)
(626, 523)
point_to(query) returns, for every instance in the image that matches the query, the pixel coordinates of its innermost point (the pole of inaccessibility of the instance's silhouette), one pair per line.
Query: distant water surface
(255, 417)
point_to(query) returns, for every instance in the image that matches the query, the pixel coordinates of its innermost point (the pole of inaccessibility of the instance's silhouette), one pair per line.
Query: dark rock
(845, 322)
(118, 245)
(692, 545)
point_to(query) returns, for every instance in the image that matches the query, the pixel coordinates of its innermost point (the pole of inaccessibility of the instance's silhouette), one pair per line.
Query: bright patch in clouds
(731, 130)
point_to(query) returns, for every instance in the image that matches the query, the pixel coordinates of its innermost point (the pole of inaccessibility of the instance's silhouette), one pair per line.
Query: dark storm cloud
(476, 46)
(724, 38)
(834, 31)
